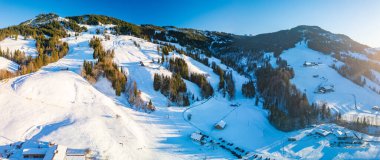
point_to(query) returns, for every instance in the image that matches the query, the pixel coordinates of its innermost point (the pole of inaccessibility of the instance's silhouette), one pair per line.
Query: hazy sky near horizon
(359, 19)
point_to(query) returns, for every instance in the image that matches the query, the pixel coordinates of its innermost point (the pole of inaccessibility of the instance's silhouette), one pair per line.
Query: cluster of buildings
(338, 135)
(35, 150)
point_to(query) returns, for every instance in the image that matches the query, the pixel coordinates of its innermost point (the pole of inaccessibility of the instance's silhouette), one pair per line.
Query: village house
(220, 125)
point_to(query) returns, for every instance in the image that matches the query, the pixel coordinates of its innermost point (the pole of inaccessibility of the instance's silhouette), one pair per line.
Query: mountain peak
(42, 19)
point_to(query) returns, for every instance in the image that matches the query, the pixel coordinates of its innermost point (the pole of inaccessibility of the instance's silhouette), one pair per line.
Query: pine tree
(162, 58)
(165, 50)
(150, 106)
(157, 82)
(248, 89)
(186, 101)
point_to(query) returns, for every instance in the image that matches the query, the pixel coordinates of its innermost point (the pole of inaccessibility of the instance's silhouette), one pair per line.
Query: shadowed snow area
(8, 65)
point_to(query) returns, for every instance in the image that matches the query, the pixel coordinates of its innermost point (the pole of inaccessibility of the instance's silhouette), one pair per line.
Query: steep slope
(97, 122)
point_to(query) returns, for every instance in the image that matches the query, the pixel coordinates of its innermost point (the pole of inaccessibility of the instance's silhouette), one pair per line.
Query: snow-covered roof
(75, 152)
(338, 133)
(34, 151)
(308, 63)
(322, 132)
(196, 136)
(350, 134)
(221, 124)
(328, 87)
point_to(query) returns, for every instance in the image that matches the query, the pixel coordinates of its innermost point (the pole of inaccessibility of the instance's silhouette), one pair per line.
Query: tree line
(248, 89)
(49, 50)
(226, 81)
(172, 87)
(104, 66)
(289, 108)
(179, 66)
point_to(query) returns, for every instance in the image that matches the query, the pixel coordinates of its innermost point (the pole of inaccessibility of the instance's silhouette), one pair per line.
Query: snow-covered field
(58, 105)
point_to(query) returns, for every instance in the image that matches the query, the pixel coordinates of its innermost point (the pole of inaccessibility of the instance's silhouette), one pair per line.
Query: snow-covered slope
(73, 114)
(28, 46)
(56, 104)
(60, 106)
(8, 65)
(345, 94)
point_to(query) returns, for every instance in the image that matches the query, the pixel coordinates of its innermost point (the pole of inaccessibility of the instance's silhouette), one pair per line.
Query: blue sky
(359, 19)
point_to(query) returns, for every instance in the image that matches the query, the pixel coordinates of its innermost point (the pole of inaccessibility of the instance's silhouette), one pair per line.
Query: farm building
(220, 125)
